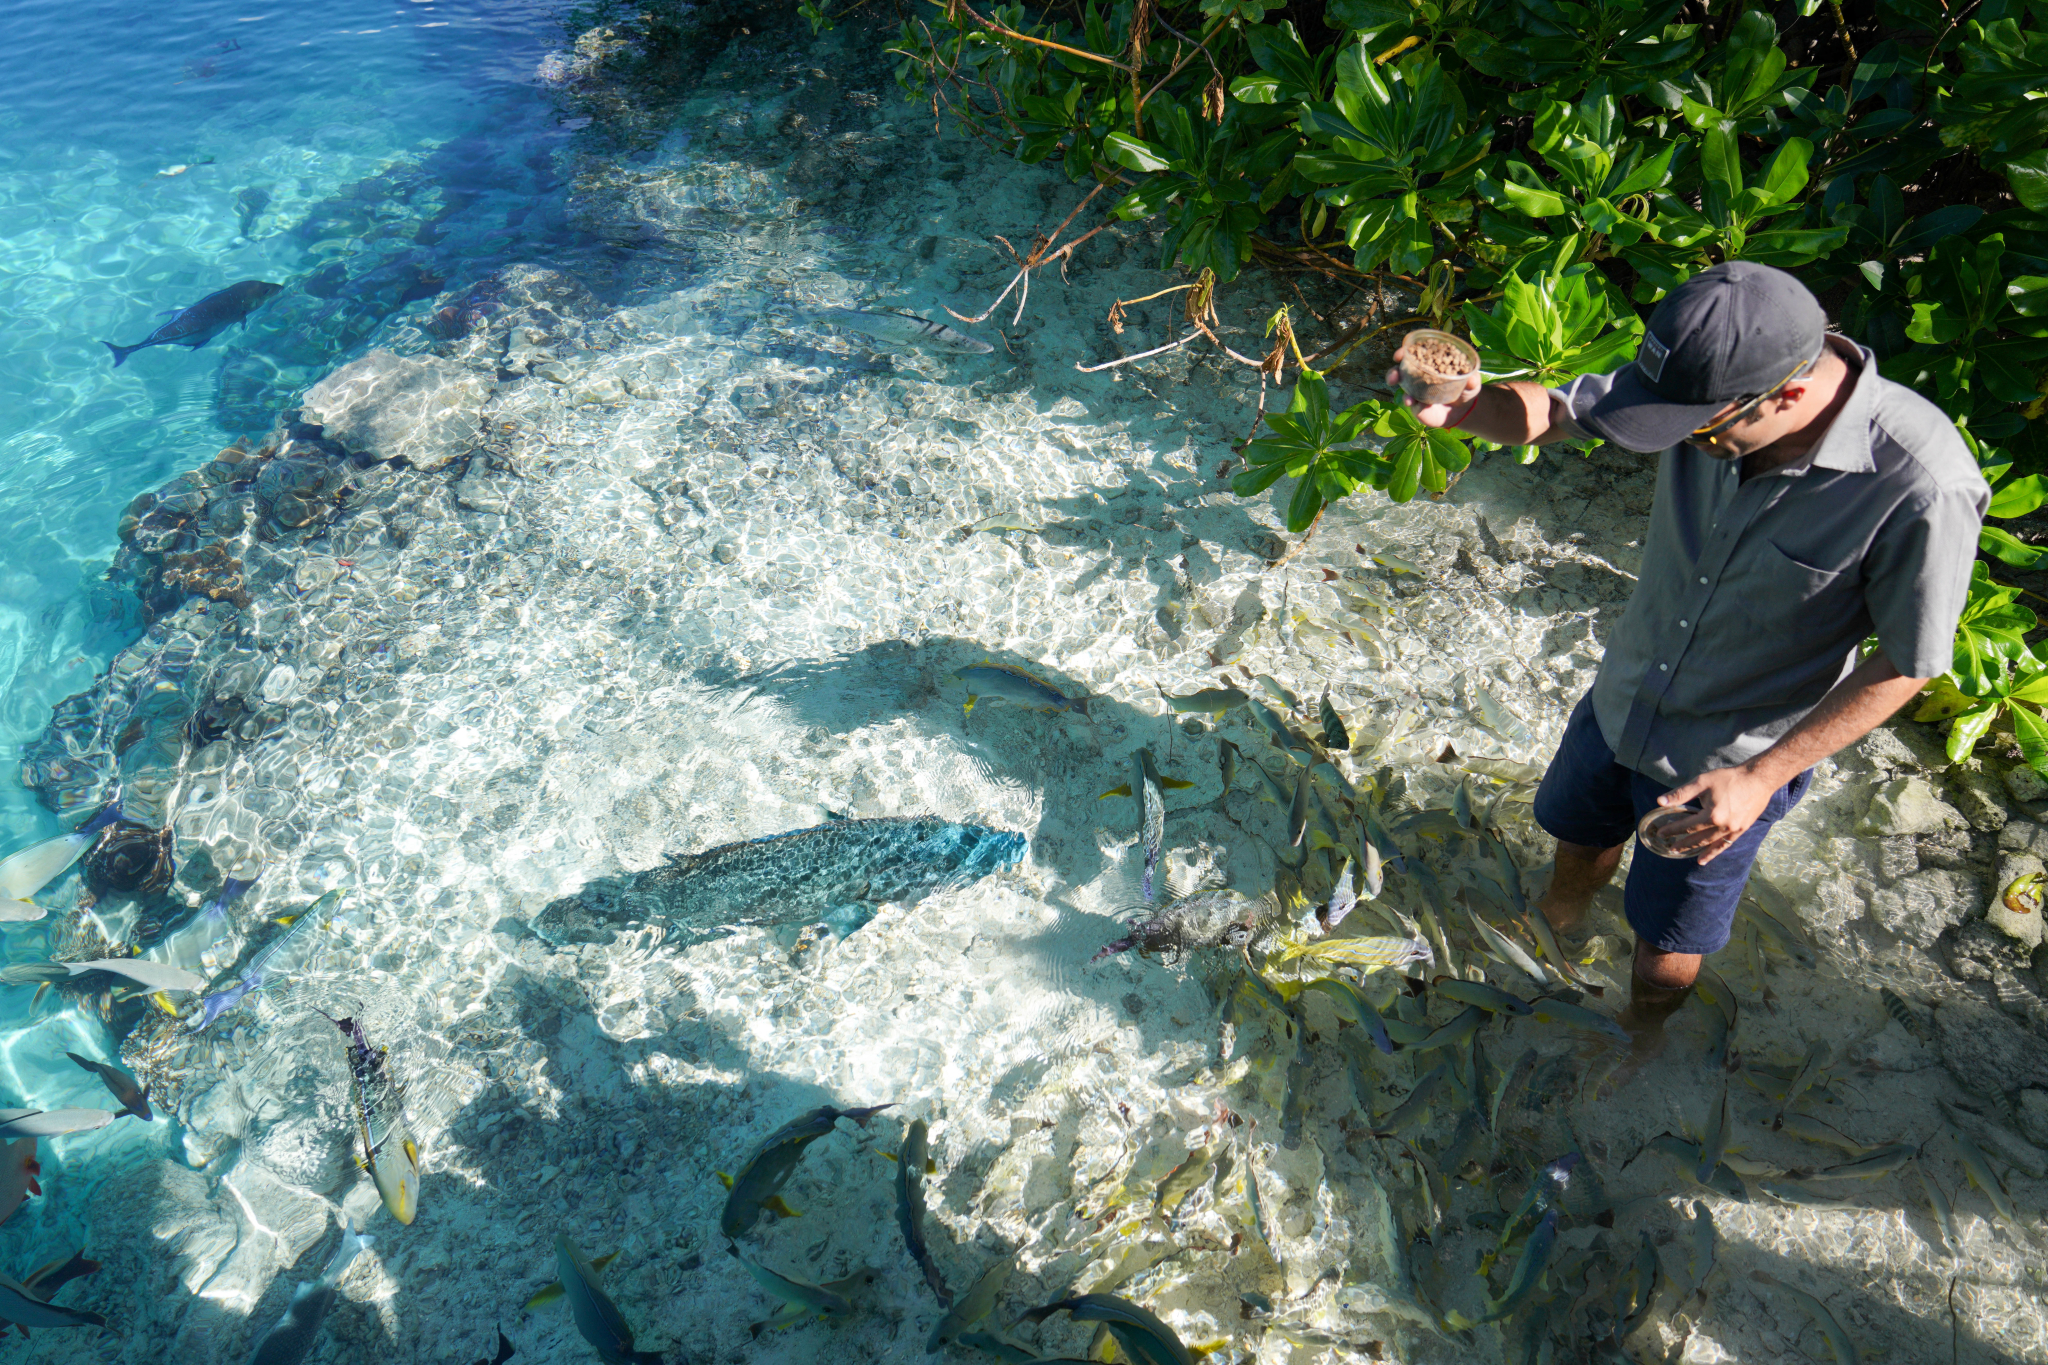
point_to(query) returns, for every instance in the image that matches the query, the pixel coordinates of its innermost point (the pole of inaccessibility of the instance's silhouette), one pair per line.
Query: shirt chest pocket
(1777, 582)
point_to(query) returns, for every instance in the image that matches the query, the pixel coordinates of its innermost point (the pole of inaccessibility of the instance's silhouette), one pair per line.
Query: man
(1804, 503)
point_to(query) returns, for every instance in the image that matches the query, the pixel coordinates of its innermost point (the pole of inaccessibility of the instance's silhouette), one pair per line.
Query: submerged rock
(1986, 1052)
(1920, 907)
(421, 409)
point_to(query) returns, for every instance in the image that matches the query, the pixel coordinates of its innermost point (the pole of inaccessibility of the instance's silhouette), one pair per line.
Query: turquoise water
(314, 137)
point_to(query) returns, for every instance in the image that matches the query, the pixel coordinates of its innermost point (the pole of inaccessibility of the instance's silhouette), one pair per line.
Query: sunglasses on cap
(1712, 431)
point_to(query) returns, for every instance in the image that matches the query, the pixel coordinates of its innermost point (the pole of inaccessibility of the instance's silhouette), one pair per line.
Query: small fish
(1714, 1142)
(1782, 936)
(1800, 1196)
(1461, 805)
(973, 1306)
(1489, 998)
(552, 1292)
(1007, 521)
(1184, 1179)
(1876, 1162)
(1352, 1006)
(1809, 1129)
(1700, 1242)
(1458, 1030)
(1226, 767)
(1579, 1017)
(1977, 1168)
(763, 1174)
(1148, 784)
(393, 1160)
(1295, 748)
(1009, 683)
(1529, 1270)
(35, 1123)
(1504, 770)
(1909, 1019)
(22, 1306)
(910, 1208)
(28, 871)
(42, 1283)
(18, 1171)
(1816, 1057)
(259, 972)
(1944, 1211)
(1844, 1349)
(1497, 717)
(1366, 954)
(1210, 701)
(195, 326)
(169, 171)
(1507, 950)
(1297, 810)
(1277, 692)
(597, 1317)
(291, 1339)
(1387, 559)
(1410, 1111)
(1343, 900)
(903, 329)
(811, 1297)
(1141, 1335)
(1334, 734)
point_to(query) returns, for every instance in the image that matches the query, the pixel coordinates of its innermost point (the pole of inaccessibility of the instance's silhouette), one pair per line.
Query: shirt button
(1703, 582)
(1663, 668)
(1684, 624)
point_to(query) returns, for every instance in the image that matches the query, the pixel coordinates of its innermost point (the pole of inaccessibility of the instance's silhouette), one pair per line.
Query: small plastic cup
(1431, 376)
(1649, 829)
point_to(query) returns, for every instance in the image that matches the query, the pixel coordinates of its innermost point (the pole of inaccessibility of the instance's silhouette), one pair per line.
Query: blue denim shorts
(1673, 904)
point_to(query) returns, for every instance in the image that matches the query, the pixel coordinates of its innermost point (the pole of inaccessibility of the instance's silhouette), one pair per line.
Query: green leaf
(2005, 546)
(1132, 154)
(1249, 483)
(1970, 727)
(1784, 175)
(2032, 733)
(1535, 203)
(2029, 178)
(2019, 497)
(1407, 476)
(1305, 505)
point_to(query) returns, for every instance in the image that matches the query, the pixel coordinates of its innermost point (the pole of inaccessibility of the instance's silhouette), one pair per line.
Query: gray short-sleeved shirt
(1754, 596)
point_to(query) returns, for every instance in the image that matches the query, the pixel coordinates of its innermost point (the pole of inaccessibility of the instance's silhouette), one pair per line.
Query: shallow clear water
(279, 113)
(710, 577)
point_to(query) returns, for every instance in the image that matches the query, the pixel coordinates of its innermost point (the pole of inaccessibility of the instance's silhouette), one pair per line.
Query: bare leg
(1578, 873)
(1660, 984)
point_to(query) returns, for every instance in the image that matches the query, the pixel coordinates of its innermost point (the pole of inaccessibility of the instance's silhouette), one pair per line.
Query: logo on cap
(1651, 355)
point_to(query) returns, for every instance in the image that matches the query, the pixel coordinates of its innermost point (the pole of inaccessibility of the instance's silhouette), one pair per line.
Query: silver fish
(973, 1306)
(903, 329)
(597, 1317)
(291, 1339)
(1015, 685)
(17, 1123)
(193, 327)
(910, 1162)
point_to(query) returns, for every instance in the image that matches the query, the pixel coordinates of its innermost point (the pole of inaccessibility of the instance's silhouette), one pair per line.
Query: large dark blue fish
(195, 326)
(831, 872)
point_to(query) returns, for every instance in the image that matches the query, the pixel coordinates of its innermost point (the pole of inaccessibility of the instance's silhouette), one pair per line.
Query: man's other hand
(1433, 414)
(1730, 800)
